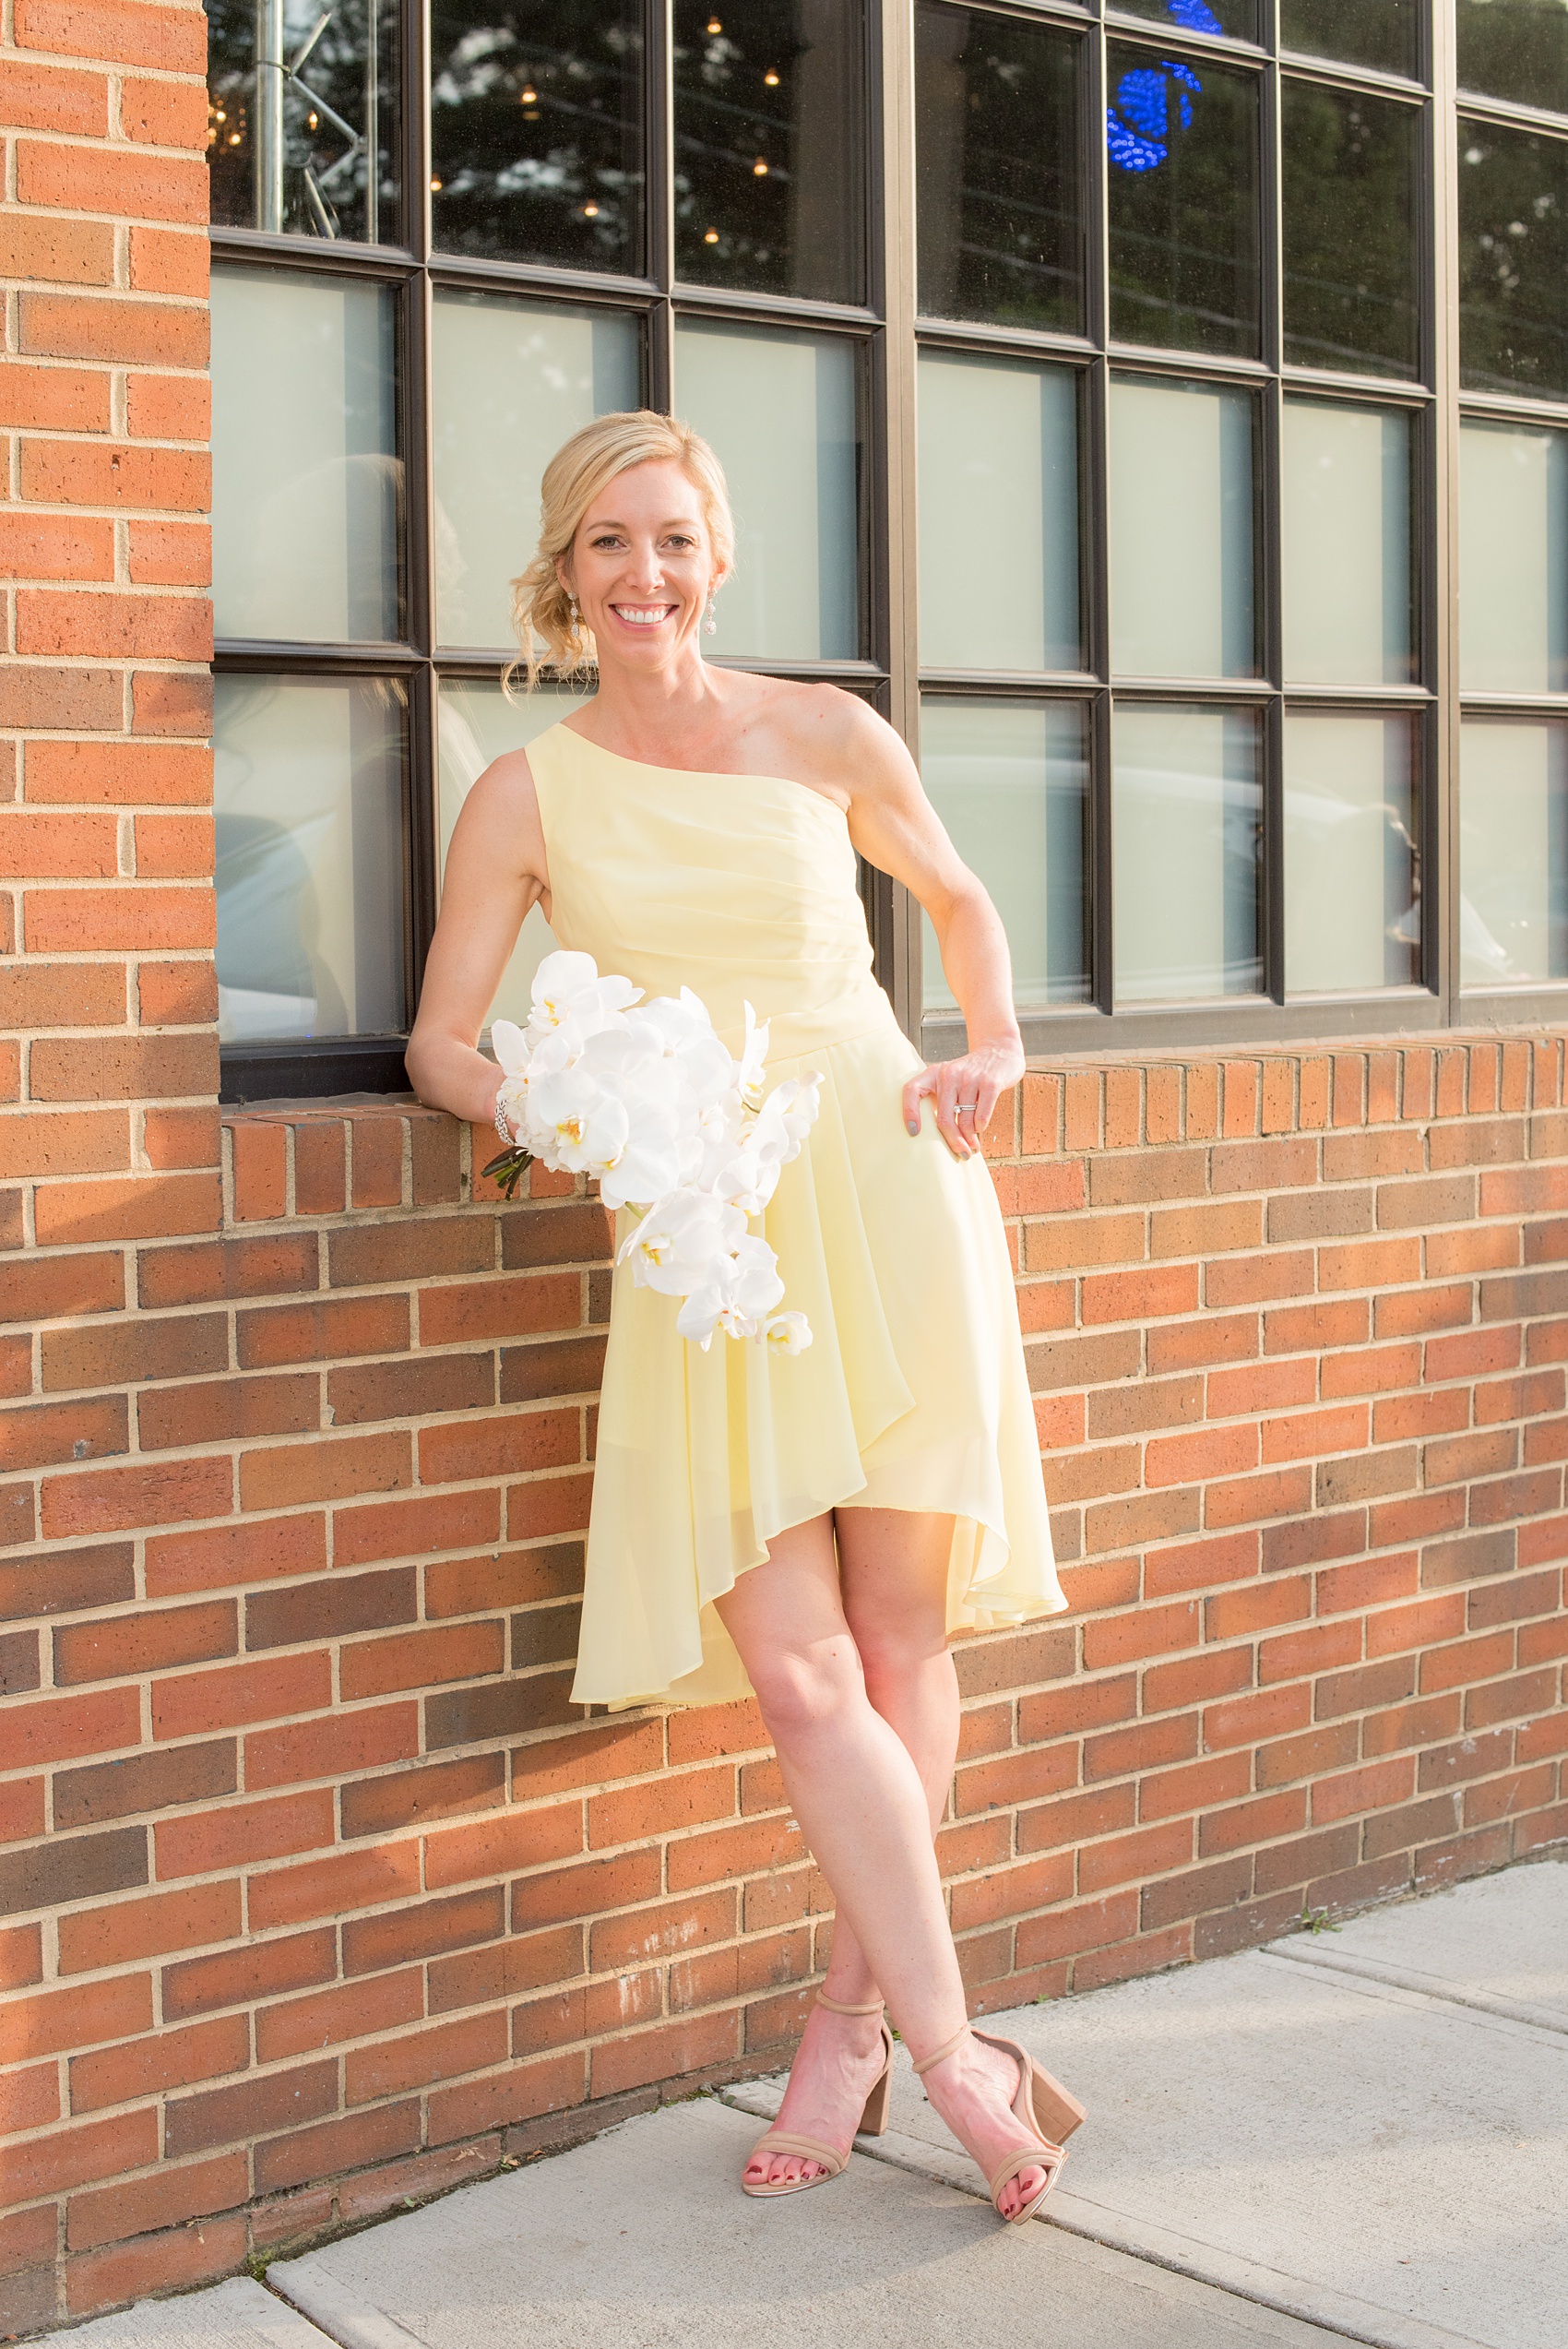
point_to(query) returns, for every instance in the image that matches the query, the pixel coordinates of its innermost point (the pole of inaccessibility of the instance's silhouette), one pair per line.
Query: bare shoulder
(500, 815)
(838, 742)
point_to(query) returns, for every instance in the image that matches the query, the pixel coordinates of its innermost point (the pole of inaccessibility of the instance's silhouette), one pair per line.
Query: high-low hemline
(912, 1394)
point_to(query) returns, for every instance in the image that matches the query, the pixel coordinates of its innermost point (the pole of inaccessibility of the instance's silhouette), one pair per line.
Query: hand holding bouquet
(646, 1097)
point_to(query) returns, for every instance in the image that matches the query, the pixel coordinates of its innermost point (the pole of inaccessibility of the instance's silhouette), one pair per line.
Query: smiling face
(642, 565)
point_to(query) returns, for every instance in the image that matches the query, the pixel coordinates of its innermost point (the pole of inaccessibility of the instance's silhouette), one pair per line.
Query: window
(412, 307)
(1087, 403)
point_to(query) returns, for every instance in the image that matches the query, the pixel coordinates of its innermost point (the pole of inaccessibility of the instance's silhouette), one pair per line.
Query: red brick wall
(312, 1896)
(340, 1904)
(106, 905)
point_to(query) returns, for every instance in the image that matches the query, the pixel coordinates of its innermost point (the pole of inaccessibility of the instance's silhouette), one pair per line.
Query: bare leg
(892, 1573)
(864, 1812)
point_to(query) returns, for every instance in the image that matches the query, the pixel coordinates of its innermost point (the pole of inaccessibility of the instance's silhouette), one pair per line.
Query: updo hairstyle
(541, 610)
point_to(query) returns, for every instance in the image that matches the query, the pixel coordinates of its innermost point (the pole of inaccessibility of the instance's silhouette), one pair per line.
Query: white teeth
(642, 615)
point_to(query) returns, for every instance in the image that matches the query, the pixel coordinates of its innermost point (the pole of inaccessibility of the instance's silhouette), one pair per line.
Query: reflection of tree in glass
(996, 152)
(1235, 19)
(768, 179)
(1349, 185)
(1184, 225)
(1383, 35)
(1516, 49)
(1513, 260)
(334, 99)
(536, 130)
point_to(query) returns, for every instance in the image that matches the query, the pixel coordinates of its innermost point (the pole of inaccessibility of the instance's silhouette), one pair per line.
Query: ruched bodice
(742, 887)
(912, 1394)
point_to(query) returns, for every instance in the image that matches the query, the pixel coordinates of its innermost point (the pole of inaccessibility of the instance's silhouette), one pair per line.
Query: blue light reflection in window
(1138, 127)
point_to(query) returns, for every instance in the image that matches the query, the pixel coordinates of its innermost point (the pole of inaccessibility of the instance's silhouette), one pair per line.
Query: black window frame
(889, 334)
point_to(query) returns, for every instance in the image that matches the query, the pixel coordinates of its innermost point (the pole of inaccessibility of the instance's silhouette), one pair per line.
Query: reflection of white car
(270, 979)
(1351, 872)
(1187, 816)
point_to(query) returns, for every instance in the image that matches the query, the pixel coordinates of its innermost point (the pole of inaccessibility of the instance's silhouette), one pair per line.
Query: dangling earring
(710, 625)
(572, 603)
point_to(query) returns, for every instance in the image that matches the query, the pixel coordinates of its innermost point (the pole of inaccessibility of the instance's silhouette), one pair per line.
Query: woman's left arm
(896, 828)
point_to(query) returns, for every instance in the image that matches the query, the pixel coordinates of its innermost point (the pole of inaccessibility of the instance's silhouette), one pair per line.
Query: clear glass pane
(518, 376)
(308, 788)
(1235, 19)
(1010, 781)
(1513, 559)
(476, 722)
(1186, 831)
(302, 131)
(1516, 49)
(1513, 260)
(769, 146)
(999, 514)
(535, 127)
(997, 172)
(1180, 530)
(1183, 146)
(1349, 166)
(1382, 33)
(1352, 909)
(1513, 851)
(780, 409)
(305, 480)
(1347, 573)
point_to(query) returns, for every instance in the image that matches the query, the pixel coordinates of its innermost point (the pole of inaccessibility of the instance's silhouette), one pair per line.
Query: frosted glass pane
(999, 514)
(1346, 493)
(1352, 917)
(1010, 779)
(779, 409)
(512, 380)
(1513, 559)
(308, 788)
(1186, 820)
(305, 480)
(477, 722)
(1181, 530)
(1513, 851)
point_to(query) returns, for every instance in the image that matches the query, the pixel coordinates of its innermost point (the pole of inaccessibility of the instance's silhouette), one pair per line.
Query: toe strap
(809, 2148)
(1044, 2156)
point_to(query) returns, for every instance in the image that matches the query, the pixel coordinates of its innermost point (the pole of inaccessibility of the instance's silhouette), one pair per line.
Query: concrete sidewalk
(1359, 2135)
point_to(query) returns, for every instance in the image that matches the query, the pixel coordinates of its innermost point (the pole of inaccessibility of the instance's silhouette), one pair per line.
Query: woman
(811, 1528)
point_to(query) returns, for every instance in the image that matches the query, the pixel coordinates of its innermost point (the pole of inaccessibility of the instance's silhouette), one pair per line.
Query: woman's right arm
(496, 871)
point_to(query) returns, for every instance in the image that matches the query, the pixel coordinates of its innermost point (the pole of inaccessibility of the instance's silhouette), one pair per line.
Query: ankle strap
(949, 2047)
(837, 2005)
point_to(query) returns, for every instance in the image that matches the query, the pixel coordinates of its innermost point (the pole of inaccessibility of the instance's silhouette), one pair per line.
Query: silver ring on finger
(961, 1105)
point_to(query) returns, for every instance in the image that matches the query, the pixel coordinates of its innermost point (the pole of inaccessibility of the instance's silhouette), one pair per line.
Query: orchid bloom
(646, 1098)
(744, 1288)
(582, 1123)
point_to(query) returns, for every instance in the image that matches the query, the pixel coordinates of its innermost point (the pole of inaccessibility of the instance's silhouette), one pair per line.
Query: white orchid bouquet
(646, 1097)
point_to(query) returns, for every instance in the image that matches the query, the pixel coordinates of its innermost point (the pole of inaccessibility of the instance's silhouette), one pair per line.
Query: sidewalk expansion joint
(1428, 1985)
(334, 2309)
(1337, 2312)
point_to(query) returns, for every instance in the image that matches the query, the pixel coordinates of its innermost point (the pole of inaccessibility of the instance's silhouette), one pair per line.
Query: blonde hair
(542, 608)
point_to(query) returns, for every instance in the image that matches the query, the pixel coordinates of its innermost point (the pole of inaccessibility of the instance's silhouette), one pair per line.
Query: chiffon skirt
(912, 1395)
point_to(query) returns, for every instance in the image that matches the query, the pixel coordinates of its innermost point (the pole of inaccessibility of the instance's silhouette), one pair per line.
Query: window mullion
(1440, 523)
(894, 553)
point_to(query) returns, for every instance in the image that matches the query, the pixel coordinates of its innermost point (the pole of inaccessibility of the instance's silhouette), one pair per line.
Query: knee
(897, 1651)
(805, 1690)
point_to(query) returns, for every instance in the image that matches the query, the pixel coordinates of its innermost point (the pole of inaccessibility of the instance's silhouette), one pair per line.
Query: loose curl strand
(541, 606)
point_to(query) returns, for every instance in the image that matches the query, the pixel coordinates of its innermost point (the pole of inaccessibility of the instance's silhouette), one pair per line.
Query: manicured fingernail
(914, 1124)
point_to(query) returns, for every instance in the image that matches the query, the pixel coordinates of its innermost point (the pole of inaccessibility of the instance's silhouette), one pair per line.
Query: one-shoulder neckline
(705, 774)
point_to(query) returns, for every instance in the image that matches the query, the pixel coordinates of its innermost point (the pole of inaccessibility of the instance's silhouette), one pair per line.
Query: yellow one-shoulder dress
(912, 1394)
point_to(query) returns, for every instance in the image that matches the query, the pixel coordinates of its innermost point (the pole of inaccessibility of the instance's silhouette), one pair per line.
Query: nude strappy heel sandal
(1042, 2104)
(874, 2120)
